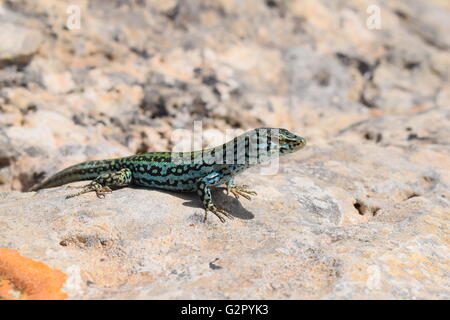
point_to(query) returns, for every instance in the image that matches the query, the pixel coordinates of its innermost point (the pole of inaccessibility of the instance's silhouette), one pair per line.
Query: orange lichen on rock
(24, 278)
(8, 291)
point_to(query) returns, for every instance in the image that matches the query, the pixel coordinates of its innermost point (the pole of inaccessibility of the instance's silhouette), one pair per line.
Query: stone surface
(338, 221)
(18, 43)
(361, 213)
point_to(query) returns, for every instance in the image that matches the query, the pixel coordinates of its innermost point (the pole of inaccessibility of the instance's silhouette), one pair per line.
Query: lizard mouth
(292, 146)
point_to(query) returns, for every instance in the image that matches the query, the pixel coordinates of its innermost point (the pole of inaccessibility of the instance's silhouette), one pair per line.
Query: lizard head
(289, 142)
(279, 140)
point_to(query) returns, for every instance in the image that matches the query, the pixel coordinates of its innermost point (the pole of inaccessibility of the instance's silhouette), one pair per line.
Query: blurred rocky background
(361, 212)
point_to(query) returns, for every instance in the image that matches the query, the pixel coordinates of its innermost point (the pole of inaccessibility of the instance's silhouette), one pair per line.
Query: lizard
(195, 171)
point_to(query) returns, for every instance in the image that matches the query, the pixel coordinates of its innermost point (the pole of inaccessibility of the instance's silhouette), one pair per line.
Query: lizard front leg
(204, 191)
(239, 190)
(103, 183)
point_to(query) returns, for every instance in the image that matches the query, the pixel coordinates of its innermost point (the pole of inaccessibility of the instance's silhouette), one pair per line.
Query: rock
(317, 80)
(58, 82)
(18, 44)
(410, 131)
(338, 221)
(443, 98)
(7, 157)
(426, 21)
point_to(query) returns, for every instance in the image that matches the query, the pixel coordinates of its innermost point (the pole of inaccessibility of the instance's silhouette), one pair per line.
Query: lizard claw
(241, 191)
(219, 213)
(101, 193)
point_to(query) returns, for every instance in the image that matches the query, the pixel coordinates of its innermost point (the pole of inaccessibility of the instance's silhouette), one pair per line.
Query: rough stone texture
(18, 44)
(338, 221)
(361, 212)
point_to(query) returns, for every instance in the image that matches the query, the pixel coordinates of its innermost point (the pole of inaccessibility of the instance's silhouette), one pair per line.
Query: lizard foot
(218, 212)
(93, 186)
(102, 192)
(241, 191)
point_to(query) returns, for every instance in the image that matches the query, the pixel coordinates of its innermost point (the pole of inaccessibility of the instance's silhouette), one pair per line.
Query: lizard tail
(88, 170)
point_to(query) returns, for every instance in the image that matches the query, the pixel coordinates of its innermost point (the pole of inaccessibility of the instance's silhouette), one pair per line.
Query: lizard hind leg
(93, 186)
(103, 183)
